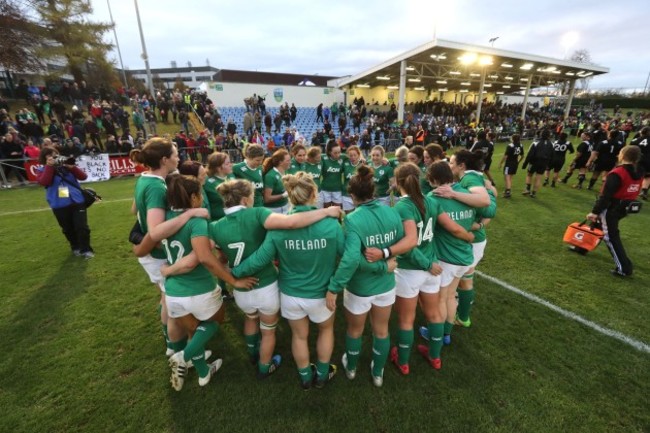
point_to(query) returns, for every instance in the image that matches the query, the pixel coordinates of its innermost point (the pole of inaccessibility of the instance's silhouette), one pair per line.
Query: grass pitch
(82, 351)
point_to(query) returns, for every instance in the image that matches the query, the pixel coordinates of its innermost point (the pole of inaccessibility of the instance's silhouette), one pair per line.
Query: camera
(64, 160)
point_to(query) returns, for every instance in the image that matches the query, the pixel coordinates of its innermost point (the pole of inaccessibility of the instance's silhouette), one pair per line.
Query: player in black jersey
(580, 161)
(642, 140)
(540, 154)
(487, 147)
(511, 158)
(560, 148)
(604, 156)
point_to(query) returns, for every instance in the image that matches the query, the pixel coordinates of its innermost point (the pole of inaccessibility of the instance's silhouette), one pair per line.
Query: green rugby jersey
(239, 234)
(273, 180)
(424, 255)
(307, 257)
(315, 171)
(394, 163)
(150, 193)
(332, 177)
(199, 280)
(370, 225)
(214, 198)
(295, 167)
(451, 249)
(382, 177)
(243, 171)
(485, 212)
(425, 186)
(472, 178)
(349, 170)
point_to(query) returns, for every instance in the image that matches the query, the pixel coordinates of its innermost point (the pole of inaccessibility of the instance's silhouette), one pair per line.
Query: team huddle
(413, 232)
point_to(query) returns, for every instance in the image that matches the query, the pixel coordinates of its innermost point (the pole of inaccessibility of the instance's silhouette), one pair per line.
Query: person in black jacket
(537, 160)
(622, 186)
(641, 140)
(604, 156)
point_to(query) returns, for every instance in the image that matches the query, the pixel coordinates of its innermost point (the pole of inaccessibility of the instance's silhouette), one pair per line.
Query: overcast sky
(345, 37)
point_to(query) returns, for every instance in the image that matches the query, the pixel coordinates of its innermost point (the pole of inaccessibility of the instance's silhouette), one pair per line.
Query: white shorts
(152, 268)
(362, 304)
(294, 308)
(200, 306)
(265, 300)
(331, 196)
(282, 209)
(410, 282)
(384, 200)
(449, 272)
(347, 202)
(479, 250)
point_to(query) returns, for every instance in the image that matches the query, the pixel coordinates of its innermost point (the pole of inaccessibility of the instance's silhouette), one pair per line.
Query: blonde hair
(215, 161)
(300, 187)
(402, 154)
(233, 191)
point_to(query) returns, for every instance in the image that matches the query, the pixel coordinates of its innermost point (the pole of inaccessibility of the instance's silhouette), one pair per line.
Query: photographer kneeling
(61, 178)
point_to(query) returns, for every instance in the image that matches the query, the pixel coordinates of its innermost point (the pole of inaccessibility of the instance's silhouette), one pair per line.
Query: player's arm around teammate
(466, 167)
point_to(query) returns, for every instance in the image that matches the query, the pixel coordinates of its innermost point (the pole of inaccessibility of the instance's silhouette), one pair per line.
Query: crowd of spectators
(79, 120)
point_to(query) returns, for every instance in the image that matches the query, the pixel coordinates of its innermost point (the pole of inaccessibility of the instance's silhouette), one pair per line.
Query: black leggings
(612, 237)
(74, 223)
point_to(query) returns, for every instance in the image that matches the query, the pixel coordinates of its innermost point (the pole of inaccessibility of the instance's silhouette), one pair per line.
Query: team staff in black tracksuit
(642, 140)
(604, 155)
(560, 148)
(621, 187)
(580, 161)
(538, 158)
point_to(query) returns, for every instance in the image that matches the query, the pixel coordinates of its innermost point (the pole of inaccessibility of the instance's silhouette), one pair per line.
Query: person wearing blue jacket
(63, 194)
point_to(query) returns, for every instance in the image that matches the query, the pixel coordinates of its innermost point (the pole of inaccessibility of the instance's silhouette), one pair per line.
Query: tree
(76, 39)
(19, 38)
(582, 56)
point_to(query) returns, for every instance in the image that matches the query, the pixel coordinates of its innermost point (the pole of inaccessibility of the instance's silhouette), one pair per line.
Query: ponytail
(407, 177)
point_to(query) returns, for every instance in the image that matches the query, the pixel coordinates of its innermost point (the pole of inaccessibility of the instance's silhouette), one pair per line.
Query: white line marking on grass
(19, 212)
(637, 344)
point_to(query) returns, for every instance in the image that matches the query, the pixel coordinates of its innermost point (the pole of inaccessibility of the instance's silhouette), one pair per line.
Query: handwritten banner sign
(97, 167)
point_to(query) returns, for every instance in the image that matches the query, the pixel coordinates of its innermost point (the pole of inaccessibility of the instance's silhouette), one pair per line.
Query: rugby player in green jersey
(350, 169)
(332, 177)
(275, 196)
(384, 178)
(466, 167)
(314, 167)
(238, 235)
(370, 225)
(456, 255)
(401, 156)
(465, 291)
(193, 298)
(251, 170)
(418, 273)
(298, 156)
(196, 169)
(219, 170)
(150, 204)
(307, 261)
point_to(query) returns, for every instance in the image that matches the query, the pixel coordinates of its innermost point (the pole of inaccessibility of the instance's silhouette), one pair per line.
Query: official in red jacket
(622, 186)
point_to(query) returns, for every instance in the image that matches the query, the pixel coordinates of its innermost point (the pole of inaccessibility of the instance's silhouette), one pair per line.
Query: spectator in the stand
(287, 138)
(268, 123)
(111, 145)
(319, 113)
(92, 130)
(231, 127)
(150, 117)
(248, 124)
(293, 112)
(31, 151)
(183, 119)
(91, 148)
(326, 113)
(334, 109)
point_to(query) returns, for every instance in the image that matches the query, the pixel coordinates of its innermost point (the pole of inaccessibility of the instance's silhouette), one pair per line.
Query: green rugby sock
(352, 350)
(253, 344)
(404, 343)
(436, 331)
(322, 369)
(380, 348)
(196, 346)
(448, 327)
(306, 374)
(263, 368)
(177, 346)
(200, 365)
(465, 301)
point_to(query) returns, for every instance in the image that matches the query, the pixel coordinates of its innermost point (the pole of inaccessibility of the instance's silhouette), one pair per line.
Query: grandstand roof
(442, 65)
(272, 78)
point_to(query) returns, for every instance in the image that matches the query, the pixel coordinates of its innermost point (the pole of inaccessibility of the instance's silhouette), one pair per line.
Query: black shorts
(580, 163)
(538, 167)
(510, 169)
(556, 165)
(604, 165)
(645, 163)
(487, 164)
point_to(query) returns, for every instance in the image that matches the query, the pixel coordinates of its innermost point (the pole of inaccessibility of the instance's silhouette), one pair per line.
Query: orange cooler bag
(581, 235)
